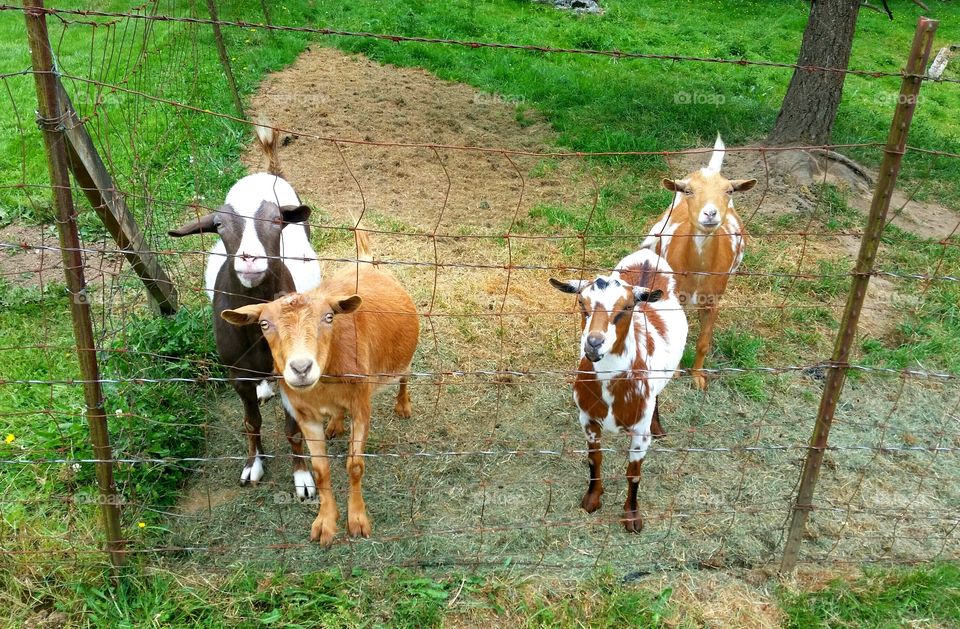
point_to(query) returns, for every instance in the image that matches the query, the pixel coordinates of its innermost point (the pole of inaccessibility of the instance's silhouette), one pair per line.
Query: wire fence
(489, 471)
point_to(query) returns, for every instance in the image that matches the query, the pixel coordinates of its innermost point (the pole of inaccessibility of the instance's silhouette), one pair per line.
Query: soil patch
(440, 188)
(30, 257)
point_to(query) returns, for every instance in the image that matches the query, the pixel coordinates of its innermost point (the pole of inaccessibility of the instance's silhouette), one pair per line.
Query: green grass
(926, 596)
(177, 152)
(394, 598)
(742, 350)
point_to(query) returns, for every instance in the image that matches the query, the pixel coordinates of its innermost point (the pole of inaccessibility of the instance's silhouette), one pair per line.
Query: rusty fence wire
(489, 470)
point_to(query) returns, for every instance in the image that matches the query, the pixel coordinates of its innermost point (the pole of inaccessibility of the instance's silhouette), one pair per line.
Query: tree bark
(810, 107)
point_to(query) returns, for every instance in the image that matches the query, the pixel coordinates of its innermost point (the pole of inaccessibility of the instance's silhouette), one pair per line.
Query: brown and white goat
(335, 346)
(633, 333)
(263, 251)
(703, 240)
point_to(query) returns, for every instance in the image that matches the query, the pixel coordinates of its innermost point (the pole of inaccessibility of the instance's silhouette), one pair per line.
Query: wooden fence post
(96, 183)
(224, 57)
(839, 362)
(56, 146)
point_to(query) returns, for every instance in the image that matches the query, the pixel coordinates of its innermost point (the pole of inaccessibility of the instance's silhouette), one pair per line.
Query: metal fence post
(51, 124)
(886, 182)
(224, 57)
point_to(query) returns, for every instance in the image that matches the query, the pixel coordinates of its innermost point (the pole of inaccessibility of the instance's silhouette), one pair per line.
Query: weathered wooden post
(224, 57)
(50, 122)
(839, 362)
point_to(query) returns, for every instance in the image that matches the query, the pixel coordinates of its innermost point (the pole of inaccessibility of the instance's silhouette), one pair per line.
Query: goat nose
(301, 366)
(594, 341)
(710, 213)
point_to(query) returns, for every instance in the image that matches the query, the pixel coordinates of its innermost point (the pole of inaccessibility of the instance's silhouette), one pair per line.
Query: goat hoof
(359, 525)
(591, 501)
(323, 531)
(304, 484)
(700, 382)
(252, 472)
(404, 410)
(632, 522)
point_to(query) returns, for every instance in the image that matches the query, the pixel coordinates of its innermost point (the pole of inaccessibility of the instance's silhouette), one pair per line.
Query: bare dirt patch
(403, 105)
(30, 257)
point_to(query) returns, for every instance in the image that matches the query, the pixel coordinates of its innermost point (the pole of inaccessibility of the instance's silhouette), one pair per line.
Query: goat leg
(252, 420)
(303, 482)
(358, 522)
(632, 521)
(325, 525)
(403, 407)
(591, 499)
(655, 427)
(708, 316)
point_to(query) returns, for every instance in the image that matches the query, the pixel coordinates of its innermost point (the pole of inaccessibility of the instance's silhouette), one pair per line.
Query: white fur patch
(265, 390)
(299, 257)
(734, 228)
(215, 260)
(286, 403)
(661, 232)
(251, 256)
(639, 442)
(304, 484)
(251, 191)
(254, 472)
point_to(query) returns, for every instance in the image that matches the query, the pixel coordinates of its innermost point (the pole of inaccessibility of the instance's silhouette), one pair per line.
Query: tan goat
(335, 346)
(702, 238)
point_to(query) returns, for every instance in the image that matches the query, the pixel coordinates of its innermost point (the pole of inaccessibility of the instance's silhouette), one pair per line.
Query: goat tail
(267, 136)
(364, 249)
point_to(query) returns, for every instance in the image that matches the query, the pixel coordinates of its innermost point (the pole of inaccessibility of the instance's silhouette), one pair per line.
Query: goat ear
(295, 213)
(246, 315)
(569, 286)
(346, 305)
(742, 185)
(203, 225)
(649, 296)
(676, 185)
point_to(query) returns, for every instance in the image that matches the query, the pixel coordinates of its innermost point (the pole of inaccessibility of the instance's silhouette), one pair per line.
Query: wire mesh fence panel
(473, 211)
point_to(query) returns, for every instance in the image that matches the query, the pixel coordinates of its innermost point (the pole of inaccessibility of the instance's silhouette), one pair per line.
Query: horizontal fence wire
(488, 473)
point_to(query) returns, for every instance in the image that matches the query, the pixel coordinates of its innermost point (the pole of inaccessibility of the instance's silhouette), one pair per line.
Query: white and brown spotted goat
(634, 330)
(263, 251)
(335, 346)
(703, 240)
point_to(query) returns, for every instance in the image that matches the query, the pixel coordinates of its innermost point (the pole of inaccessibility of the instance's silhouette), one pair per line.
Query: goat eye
(264, 325)
(328, 318)
(688, 192)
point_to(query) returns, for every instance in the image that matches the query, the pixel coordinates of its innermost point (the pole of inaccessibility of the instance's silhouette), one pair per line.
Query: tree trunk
(810, 107)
